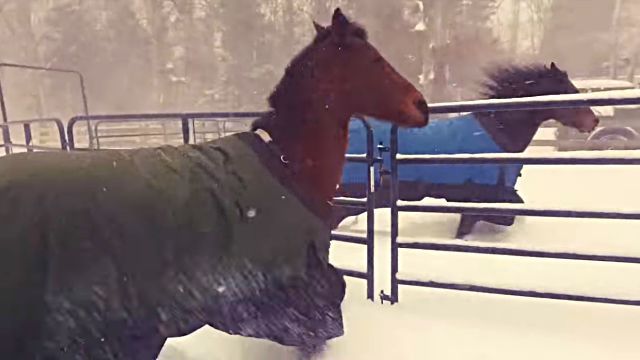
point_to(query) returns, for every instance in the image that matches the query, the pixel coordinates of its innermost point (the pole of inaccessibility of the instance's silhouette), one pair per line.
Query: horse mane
(512, 81)
(284, 96)
(301, 64)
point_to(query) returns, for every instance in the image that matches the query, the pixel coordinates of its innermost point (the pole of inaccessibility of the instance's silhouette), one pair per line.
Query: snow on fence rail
(575, 158)
(604, 98)
(539, 102)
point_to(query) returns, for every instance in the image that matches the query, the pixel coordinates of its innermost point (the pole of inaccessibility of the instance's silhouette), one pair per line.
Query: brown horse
(321, 89)
(106, 254)
(481, 132)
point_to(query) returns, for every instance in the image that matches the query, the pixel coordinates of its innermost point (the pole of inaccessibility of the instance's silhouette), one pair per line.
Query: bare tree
(581, 43)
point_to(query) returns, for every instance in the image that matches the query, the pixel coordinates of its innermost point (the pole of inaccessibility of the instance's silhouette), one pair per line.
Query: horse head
(342, 73)
(539, 80)
(582, 118)
(338, 75)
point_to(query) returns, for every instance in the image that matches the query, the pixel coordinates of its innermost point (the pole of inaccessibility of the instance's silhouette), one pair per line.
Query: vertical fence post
(71, 141)
(94, 142)
(393, 207)
(64, 143)
(194, 132)
(371, 201)
(394, 213)
(185, 129)
(28, 136)
(6, 136)
(85, 108)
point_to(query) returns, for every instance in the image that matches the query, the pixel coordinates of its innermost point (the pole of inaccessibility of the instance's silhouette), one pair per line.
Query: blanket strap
(292, 166)
(266, 137)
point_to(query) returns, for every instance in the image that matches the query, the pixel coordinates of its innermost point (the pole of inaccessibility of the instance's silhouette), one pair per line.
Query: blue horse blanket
(461, 135)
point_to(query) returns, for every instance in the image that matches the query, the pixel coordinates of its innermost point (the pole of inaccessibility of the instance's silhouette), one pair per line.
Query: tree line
(226, 55)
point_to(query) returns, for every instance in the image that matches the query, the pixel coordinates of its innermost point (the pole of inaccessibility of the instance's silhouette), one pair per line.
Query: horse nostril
(422, 106)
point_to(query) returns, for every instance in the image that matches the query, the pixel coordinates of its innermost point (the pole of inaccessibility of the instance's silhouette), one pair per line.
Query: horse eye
(378, 59)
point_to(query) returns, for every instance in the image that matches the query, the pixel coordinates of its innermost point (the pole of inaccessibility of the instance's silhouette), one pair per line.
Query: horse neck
(315, 146)
(513, 130)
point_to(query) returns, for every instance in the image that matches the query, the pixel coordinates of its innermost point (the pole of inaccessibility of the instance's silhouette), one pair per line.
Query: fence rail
(533, 103)
(515, 292)
(186, 121)
(518, 210)
(490, 250)
(519, 158)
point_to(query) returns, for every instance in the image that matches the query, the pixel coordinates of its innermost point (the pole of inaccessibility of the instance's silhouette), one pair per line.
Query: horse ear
(557, 70)
(339, 22)
(319, 28)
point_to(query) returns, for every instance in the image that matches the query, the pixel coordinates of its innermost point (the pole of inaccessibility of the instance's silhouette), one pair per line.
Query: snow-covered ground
(443, 324)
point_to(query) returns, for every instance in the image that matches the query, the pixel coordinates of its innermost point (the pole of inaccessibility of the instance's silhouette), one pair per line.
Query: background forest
(221, 55)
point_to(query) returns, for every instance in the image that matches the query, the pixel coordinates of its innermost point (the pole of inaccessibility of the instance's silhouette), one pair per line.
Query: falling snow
(442, 324)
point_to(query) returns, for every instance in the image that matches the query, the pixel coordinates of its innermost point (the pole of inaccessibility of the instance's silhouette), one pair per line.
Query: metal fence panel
(541, 102)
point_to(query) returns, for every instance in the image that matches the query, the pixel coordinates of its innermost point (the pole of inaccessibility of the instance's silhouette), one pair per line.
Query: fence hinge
(384, 297)
(383, 148)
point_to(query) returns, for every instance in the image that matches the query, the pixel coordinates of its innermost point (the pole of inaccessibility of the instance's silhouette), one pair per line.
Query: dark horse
(488, 132)
(105, 254)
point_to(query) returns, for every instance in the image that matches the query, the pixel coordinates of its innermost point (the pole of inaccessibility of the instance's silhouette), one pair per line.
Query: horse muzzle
(589, 127)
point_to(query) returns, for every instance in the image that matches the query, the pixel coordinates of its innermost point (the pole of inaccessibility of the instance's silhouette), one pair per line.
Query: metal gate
(27, 124)
(492, 209)
(9, 144)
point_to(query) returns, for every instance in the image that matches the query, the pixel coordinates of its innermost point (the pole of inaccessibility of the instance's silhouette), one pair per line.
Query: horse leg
(466, 225)
(510, 196)
(467, 192)
(339, 213)
(311, 351)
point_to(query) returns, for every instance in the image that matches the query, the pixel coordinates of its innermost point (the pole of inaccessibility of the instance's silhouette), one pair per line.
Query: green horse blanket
(105, 254)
